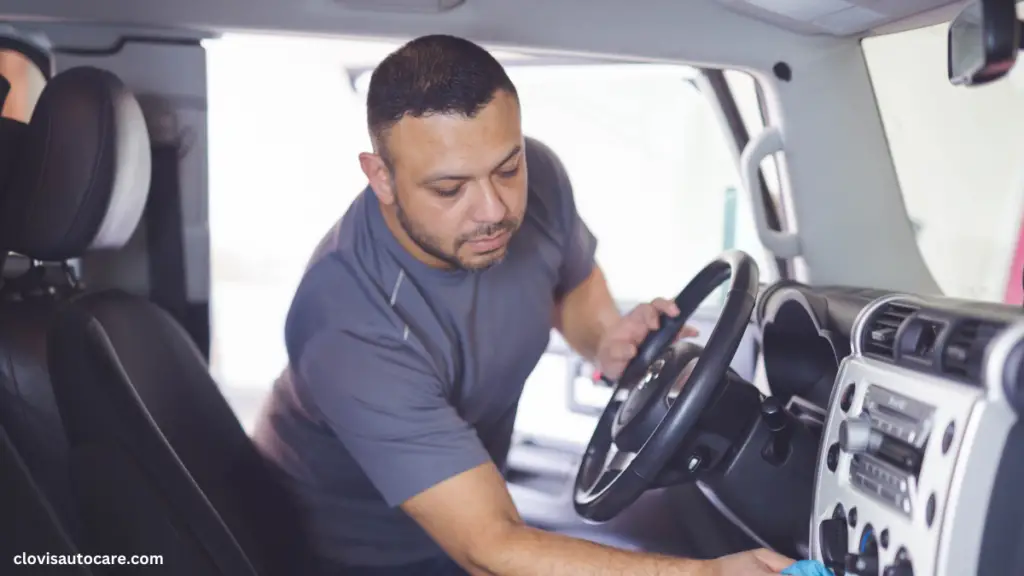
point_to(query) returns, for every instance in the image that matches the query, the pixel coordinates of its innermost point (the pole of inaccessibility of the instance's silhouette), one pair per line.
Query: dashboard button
(832, 459)
(929, 510)
(694, 462)
(847, 400)
(947, 437)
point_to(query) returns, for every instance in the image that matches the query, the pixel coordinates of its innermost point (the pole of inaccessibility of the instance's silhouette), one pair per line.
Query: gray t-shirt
(401, 375)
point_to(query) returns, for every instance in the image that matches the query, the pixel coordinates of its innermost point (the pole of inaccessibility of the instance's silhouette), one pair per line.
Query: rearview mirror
(983, 42)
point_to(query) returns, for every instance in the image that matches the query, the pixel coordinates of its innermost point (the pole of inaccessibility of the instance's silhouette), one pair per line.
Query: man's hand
(759, 562)
(619, 343)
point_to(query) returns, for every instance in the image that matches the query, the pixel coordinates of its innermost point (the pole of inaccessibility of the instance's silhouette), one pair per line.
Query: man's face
(459, 184)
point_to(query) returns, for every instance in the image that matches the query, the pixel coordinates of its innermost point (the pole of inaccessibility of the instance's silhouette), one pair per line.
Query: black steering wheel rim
(598, 495)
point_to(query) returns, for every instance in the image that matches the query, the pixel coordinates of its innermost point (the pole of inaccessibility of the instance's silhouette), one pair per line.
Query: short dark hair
(435, 74)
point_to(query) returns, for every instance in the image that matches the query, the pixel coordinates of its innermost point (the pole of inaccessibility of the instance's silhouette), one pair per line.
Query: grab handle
(769, 141)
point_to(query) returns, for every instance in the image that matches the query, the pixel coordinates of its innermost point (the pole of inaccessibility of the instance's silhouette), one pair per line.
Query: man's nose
(490, 206)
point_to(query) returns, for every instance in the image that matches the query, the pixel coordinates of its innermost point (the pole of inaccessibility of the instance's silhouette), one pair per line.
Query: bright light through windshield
(959, 157)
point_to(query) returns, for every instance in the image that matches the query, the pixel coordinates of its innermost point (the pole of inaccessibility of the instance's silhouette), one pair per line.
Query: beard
(434, 247)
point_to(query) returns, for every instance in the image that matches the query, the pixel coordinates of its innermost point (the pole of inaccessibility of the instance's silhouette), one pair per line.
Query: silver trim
(680, 382)
(730, 515)
(617, 460)
(953, 402)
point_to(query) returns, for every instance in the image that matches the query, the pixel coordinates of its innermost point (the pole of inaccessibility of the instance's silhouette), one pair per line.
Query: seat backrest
(139, 402)
(158, 462)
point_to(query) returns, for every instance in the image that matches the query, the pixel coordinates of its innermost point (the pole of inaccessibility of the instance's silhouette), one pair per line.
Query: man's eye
(510, 172)
(447, 192)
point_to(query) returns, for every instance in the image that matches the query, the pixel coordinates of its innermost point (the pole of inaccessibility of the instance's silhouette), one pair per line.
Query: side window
(652, 174)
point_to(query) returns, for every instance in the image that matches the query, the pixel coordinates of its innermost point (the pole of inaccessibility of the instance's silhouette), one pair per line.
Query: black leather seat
(37, 513)
(28, 411)
(30, 531)
(158, 462)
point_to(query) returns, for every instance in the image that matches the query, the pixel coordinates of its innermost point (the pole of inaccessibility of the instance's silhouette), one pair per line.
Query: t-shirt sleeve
(580, 245)
(387, 407)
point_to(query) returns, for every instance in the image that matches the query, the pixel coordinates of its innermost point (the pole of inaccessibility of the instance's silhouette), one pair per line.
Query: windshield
(959, 157)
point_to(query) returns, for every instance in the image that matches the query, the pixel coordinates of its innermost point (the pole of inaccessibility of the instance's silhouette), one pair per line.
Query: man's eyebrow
(515, 151)
(438, 177)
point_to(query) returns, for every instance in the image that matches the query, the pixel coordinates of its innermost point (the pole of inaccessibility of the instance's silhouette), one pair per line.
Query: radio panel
(881, 498)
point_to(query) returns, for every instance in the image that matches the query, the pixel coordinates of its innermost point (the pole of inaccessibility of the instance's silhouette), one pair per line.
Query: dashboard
(916, 401)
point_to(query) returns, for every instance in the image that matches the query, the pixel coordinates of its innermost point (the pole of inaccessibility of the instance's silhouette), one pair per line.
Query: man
(419, 319)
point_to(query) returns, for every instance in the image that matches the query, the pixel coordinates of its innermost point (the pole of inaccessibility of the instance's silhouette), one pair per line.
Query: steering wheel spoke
(618, 460)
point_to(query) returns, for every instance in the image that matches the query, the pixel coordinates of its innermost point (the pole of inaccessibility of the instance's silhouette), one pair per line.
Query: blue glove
(808, 568)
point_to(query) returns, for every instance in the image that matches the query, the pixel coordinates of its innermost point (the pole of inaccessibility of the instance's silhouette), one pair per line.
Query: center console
(913, 445)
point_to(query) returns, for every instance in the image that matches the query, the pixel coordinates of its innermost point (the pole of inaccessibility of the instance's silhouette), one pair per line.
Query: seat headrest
(81, 174)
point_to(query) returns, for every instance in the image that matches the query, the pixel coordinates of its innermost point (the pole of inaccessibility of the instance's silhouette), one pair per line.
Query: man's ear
(377, 173)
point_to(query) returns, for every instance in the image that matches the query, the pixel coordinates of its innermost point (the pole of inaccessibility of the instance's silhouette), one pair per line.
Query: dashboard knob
(774, 414)
(776, 419)
(856, 436)
(900, 568)
(832, 534)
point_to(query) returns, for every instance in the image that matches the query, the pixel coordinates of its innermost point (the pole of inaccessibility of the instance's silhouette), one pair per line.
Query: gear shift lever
(777, 420)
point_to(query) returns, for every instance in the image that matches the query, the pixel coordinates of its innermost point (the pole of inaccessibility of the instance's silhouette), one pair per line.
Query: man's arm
(584, 314)
(472, 517)
(421, 456)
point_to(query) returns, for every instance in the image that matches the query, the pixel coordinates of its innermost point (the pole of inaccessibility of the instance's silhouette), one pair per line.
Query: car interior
(854, 396)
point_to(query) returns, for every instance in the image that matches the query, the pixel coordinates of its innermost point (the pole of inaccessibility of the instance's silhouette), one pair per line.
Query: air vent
(964, 352)
(880, 332)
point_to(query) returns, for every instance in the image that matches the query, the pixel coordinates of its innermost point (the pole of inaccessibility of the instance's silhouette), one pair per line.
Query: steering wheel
(663, 392)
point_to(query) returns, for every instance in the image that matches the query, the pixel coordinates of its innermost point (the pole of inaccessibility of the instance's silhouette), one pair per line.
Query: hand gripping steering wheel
(662, 393)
